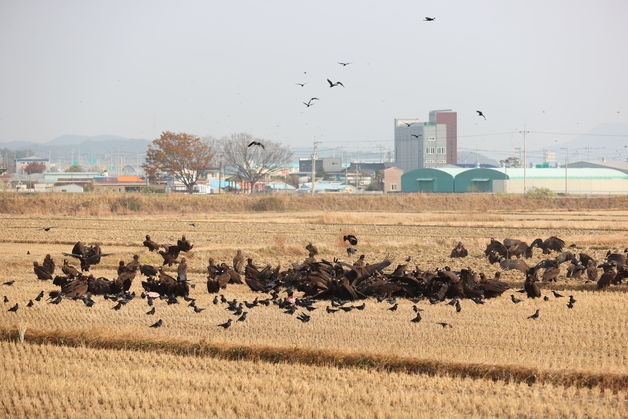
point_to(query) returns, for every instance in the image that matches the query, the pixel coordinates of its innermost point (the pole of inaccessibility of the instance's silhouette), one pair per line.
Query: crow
(351, 251)
(546, 298)
(394, 308)
(332, 84)
(117, 306)
(330, 310)
(8, 283)
(5, 299)
(445, 324)
(571, 299)
(514, 299)
(416, 309)
(46, 228)
(215, 300)
(343, 64)
(198, 309)
(30, 303)
(256, 143)
(39, 296)
(408, 124)
(417, 318)
(226, 324)
(151, 311)
(570, 305)
(301, 84)
(157, 324)
(429, 19)
(309, 102)
(556, 295)
(415, 136)
(303, 317)
(14, 308)
(57, 300)
(481, 114)
(360, 307)
(458, 307)
(536, 315)
(242, 317)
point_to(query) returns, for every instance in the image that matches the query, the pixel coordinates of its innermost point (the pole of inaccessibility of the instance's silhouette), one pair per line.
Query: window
(393, 187)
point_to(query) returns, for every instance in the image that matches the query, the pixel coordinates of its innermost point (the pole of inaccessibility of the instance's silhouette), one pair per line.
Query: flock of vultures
(336, 281)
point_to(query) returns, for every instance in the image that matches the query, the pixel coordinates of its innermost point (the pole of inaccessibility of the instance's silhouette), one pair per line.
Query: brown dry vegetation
(117, 203)
(587, 341)
(40, 379)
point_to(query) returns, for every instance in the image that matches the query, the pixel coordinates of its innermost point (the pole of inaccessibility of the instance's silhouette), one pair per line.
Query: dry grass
(116, 203)
(41, 380)
(587, 341)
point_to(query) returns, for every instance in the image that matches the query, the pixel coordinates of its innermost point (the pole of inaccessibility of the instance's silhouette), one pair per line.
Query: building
(617, 165)
(22, 163)
(419, 144)
(479, 179)
(323, 165)
(428, 180)
(450, 119)
(327, 187)
(391, 179)
(119, 183)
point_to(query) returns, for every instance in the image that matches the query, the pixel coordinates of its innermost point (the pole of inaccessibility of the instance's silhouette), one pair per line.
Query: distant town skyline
(136, 69)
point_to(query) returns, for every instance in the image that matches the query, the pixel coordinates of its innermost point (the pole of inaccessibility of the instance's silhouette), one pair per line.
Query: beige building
(392, 179)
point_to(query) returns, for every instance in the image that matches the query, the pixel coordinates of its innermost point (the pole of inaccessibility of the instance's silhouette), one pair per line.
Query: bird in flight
(408, 124)
(309, 102)
(301, 84)
(414, 135)
(343, 64)
(332, 84)
(256, 143)
(351, 239)
(481, 114)
(429, 19)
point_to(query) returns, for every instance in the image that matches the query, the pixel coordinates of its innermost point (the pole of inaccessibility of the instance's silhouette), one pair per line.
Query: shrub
(271, 203)
(540, 193)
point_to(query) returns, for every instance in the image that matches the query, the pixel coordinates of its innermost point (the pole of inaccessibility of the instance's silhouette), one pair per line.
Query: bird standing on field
(157, 324)
(536, 315)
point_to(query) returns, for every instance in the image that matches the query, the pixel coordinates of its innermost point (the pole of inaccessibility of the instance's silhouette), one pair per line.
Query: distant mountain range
(97, 144)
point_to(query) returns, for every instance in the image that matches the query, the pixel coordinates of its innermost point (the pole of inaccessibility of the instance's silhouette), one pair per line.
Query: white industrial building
(578, 181)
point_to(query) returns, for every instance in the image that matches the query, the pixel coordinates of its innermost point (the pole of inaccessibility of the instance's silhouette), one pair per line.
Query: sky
(212, 68)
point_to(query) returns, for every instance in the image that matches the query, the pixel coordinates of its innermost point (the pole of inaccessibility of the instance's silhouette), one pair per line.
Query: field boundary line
(314, 357)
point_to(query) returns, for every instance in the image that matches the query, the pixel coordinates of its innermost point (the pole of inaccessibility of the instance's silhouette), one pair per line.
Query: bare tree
(253, 163)
(182, 155)
(35, 167)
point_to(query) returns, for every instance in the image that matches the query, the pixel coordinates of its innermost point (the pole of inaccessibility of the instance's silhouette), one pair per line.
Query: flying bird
(408, 124)
(256, 143)
(415, 136)
(309, 102)
(429, 19)
(157, 324)
(536, 315)
(481, 114)
(332, 84)
(301, 84)
(343, 64)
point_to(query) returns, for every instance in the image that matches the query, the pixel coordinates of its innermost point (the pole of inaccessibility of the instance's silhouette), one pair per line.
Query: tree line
(188, 157)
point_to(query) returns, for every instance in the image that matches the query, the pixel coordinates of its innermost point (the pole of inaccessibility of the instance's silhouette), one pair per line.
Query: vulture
(512, 242)
(351, 239)
(517, 264)
(87, 255)
(551, 273)
(607, 277)
(618, 258)
(584, 259)
(170, 255)
(41, 272)
(312, 250)
(69, 270)
(151, 245)
(184, 245)
(575, 270)
(182, 270)
(238, 261)
(496, 247)
(530, 285)
(519, 249)
(459, 251)
(148, 270)
(552, 243)
(75, 288)
(591, 271)
(49, 264)
(566, 256)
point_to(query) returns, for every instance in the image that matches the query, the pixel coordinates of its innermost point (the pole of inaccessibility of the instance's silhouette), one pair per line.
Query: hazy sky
(136, 68)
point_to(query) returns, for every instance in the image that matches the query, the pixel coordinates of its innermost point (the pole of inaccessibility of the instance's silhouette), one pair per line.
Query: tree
(74, 168)
(184, 156)
(511, 162)
(252, 164)
(35, 167)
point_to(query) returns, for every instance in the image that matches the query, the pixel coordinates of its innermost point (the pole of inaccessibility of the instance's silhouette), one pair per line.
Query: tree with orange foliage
(184, 156)
(35, 167)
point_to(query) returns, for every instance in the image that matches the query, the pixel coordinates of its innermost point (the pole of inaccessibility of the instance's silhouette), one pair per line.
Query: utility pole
(525, 158)
(566, 164)
(316, 143)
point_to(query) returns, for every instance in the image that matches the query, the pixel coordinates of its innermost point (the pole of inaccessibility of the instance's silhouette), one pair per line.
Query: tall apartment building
(450, 119)
(419, 144)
